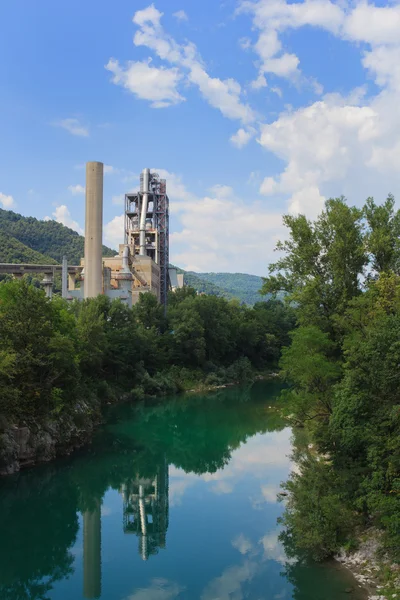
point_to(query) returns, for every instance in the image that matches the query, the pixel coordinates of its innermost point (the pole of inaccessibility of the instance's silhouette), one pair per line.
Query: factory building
(141, 264)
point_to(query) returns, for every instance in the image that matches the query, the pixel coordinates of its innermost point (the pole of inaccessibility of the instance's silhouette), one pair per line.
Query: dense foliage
(342, 273)
(53, 354)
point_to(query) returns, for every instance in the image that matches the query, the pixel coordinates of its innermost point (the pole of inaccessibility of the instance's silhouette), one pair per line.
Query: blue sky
(250, 109)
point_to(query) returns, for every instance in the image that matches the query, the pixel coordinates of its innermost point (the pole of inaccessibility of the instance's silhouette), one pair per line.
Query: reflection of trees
(38, 524)
(38, 520)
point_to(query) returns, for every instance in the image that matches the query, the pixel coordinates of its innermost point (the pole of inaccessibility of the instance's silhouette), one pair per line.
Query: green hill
(47, 239)
(13, 251)
(29, 240)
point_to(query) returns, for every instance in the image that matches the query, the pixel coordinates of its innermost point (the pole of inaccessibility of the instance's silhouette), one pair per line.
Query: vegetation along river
(174, 499)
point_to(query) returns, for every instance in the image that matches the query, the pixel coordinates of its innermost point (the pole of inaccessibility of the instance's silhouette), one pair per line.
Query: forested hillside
(13, 251)
(47, 240)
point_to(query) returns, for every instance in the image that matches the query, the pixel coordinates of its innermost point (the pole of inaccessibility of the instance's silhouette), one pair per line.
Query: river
(175, 499)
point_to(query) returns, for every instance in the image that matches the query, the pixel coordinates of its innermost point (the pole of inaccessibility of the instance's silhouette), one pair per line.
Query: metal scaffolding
(147, 215)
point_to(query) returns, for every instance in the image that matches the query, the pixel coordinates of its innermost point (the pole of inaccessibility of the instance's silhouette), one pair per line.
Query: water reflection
(145, 510)
(205, 472)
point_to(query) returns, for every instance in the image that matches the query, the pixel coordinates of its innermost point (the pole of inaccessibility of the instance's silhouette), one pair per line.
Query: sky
(250, 109)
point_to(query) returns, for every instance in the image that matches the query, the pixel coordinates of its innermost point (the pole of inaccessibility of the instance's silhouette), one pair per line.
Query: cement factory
(142, 263)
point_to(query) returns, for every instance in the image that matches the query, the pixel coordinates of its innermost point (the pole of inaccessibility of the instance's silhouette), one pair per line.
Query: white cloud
(242, 137)
(7, 202)
(213, 231)
(225, 95)
(109, 170)
(322, 144)
(62, 215)
(259, 83)
(74, 127)
(148, 15)
(114, 231)
(76, 190)
(277, 91)
(158, 85)
(245, 43)
(160, 589)
(180, 15)
(373, 24)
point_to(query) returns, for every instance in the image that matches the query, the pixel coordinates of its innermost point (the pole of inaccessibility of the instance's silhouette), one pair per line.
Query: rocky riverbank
(372, 570)
(33, 443)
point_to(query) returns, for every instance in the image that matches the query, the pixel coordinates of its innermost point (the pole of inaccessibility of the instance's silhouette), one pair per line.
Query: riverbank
(372, 569)
(32, 442)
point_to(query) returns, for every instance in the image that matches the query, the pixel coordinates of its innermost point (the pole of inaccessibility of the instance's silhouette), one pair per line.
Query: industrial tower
(147, 225)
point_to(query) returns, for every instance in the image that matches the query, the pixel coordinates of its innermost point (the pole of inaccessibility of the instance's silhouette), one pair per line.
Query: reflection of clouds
(261, 454)
(177, 489)
(222, 487)
(243, 544)
(229, 585)
(270, 492)
(267, 548)
(106, 511)
(273, 548)
(160, 589)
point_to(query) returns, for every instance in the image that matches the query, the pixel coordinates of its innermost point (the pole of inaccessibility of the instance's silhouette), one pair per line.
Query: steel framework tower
(147, 224)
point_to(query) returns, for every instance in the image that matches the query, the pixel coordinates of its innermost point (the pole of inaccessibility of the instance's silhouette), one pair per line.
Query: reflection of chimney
(94, 230)
(92, 552)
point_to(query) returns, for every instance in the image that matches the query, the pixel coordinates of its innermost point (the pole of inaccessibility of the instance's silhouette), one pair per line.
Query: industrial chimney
(93, 285)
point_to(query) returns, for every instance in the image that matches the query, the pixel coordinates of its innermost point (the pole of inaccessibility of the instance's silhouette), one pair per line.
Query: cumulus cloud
(242, 137)
(114, 231)
(74, 127)
(62, 215)
(7, 202)
(76, 190)
(157, 85)
(225, 230)
(339, 144)
(160, 85)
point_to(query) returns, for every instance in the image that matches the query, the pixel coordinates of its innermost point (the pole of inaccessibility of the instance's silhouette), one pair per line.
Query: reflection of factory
(141, 264)
(145, 514)
(146, 511)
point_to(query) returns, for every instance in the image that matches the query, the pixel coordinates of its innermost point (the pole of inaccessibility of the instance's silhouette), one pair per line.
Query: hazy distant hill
(28, 240)
(227, 285)
(239, 285)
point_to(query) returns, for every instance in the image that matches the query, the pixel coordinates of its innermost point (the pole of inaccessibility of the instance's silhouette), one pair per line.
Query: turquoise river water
(174, 499)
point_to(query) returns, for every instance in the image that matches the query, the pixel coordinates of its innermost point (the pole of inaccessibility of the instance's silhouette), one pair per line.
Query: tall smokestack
(94, 230)
(145, 204)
